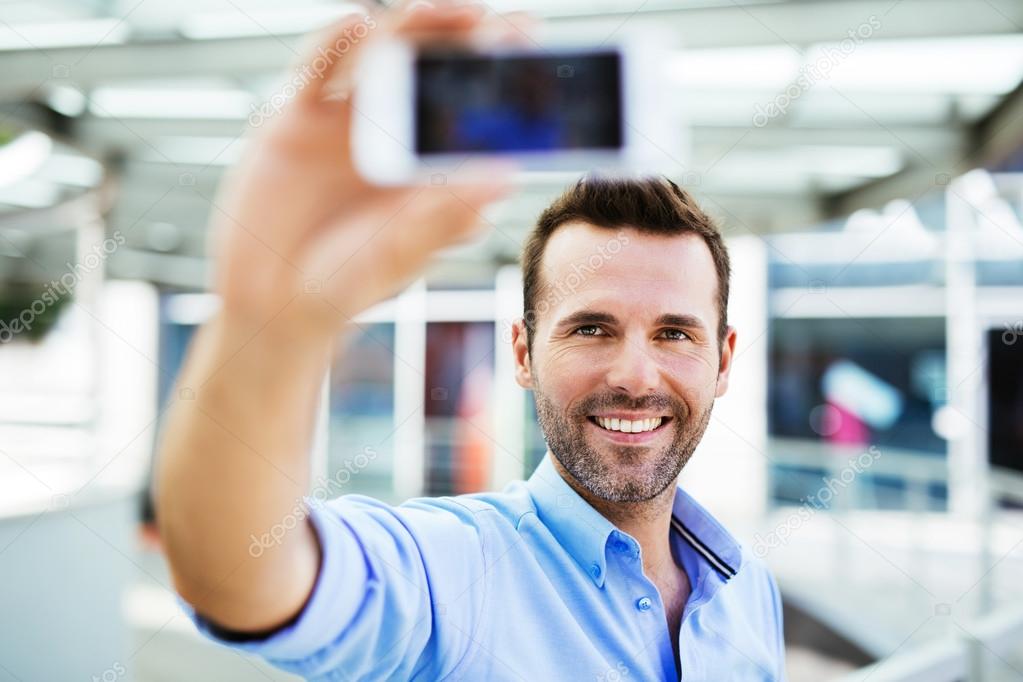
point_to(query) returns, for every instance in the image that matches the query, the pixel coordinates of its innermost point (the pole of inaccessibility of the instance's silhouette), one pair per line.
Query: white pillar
(409, 388)
(967, 460)
(728, 471)
(508, 402)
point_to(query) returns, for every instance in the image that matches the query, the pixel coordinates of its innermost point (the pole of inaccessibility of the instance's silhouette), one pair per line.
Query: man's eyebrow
(687, 321)
(584, 317)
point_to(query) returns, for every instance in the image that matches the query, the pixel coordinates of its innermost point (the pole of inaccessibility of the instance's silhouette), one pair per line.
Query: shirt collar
(706, 535)
(584, 532)
(577, 526)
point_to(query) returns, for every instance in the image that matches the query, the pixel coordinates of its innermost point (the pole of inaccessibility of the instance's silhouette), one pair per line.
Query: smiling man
(625, 366)
(598, 567)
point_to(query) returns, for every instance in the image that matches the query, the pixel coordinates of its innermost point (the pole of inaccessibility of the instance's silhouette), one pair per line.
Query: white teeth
(627, 426)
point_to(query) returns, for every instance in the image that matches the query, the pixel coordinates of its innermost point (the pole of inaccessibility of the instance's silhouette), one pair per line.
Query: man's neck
(649, 522)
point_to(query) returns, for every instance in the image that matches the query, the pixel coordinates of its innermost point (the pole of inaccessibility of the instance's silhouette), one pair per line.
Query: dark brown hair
(650, 205)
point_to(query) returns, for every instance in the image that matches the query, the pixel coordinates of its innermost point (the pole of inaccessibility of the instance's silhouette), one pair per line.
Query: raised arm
(302, 245)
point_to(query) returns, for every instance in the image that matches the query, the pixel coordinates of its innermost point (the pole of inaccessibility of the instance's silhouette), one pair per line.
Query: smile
(629, 430)
(626, 425)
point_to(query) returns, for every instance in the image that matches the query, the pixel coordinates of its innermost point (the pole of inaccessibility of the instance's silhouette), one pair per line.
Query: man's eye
(595, 330)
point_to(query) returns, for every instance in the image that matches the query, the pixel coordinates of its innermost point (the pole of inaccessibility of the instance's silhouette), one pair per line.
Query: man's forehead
(583, 258)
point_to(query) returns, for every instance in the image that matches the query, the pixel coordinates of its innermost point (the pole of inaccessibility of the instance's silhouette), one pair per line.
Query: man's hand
(300, 234)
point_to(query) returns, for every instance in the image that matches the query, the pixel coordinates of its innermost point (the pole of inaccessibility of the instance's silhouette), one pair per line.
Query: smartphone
(423, 111)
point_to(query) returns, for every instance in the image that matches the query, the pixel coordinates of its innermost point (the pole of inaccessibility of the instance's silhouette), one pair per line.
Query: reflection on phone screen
(516, 103)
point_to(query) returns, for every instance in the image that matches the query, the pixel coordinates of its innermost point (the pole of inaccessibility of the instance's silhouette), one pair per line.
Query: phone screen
(469, 102)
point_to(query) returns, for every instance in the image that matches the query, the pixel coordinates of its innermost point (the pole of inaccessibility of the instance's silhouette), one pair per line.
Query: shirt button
(595, 570)
(644, 603)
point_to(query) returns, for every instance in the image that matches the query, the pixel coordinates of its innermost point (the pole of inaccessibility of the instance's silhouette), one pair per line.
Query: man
(597, 567)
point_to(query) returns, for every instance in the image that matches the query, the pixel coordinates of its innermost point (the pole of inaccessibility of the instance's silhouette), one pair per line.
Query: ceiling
(795, 111)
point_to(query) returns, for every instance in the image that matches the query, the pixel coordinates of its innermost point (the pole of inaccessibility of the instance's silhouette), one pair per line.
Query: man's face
(626, 329)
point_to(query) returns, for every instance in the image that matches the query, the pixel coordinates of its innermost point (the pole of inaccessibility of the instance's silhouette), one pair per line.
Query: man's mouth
(641, 430)
(629, 426)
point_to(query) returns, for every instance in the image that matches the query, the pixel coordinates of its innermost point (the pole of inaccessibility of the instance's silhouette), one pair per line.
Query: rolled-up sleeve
(397, 596)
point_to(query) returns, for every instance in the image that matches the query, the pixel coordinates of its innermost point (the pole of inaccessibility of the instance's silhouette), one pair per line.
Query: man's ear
(725, 364)
(523, 375)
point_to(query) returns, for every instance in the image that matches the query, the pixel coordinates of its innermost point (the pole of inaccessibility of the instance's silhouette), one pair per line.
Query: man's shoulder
(754, 593)
(508, 504)
(756, 573)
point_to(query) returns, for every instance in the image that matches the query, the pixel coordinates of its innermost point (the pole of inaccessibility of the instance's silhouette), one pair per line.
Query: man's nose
(633, 370)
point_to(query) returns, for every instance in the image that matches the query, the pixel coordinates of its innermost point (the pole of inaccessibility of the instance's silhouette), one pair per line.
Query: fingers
(439, 217)
(417, 16)
(516, 29)
(331, 54)
(401, 228)
(373, 253)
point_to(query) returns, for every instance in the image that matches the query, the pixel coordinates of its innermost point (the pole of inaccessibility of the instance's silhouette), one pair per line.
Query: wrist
(283, 338)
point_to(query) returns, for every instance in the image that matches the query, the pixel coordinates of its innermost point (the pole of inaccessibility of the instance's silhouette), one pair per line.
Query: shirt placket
(644, 602)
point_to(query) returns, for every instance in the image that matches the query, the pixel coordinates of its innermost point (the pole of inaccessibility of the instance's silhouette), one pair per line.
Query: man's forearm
(233, 462)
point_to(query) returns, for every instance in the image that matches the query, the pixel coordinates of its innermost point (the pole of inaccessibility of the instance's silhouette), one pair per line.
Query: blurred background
(864, 159)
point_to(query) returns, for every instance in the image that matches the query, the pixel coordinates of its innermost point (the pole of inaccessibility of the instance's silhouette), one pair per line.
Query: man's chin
(625, 491)
(625, 457)
(627, 475)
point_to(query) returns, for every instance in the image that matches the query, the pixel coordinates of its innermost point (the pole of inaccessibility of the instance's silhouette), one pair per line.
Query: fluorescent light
(822, 106)
(198, 151)
(975, 65)
(755, 173)
(929, 68)
(748, 68)
(836, 184)
(71, 169)
(859, 161)
(167, 103)
(30, 193)
(23, 156)
(86, 32)
(274, 21)
(800, 164)
(66, 100)
(722, 108)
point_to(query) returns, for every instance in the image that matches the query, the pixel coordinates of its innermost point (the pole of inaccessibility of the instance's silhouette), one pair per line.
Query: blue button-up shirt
(530, 583)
